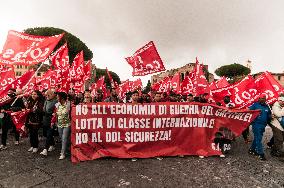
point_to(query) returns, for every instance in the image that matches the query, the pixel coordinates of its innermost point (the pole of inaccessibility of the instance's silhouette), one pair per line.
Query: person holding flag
(13, 104)
(258, 126)
(34, 118)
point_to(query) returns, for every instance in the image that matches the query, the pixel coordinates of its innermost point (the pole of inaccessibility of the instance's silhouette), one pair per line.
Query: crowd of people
(49, 112)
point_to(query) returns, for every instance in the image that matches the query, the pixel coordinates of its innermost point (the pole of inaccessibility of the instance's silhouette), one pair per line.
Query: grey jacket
(48, 109)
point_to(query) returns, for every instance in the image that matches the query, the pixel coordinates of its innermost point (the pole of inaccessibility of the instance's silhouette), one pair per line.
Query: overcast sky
(218, 32)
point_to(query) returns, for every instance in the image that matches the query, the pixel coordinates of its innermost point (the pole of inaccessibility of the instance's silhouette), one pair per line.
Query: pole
(28, 82)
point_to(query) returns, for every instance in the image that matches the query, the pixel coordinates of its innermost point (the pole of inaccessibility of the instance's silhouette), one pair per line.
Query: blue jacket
(265, 115)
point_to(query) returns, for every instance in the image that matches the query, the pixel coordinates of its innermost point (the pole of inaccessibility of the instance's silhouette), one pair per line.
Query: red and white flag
(277, 86)
(187, 86)
(146, 60)
(175, 83)
(60, 58)
(76, 72)
(24, 49)
(222, 82)
(19, 119)
(7, 77)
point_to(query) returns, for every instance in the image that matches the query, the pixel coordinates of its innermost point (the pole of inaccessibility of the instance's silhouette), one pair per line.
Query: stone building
(184, 71)
(20, 70)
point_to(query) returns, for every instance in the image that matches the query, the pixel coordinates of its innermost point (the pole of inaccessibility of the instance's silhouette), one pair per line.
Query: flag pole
(29, 82)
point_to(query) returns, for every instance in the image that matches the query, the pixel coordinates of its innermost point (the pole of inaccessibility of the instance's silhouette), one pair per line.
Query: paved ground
(20, 168)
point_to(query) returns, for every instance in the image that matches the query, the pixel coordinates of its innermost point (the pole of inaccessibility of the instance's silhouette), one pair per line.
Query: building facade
(184, 71)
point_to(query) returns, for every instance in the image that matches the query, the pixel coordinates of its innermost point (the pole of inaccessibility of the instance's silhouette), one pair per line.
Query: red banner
(151, 130)
(146, 60)
(24, 49)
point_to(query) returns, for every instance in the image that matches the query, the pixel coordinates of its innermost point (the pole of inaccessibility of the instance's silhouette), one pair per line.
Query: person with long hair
(63, 119)
(34, 118)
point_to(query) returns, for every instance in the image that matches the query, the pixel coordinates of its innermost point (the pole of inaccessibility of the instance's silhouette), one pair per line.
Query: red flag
(212, 85)
(20, 82)
(277, 86)
(175, 83)
(24, 49)
(135, 85)
(240, 92)
(19, 119)
(77, 70)
(262, 86)
(6, 77)
(123, 88)
(163, 85)
(146, 60)
(200, 83)
(222, 82)
(47, 80)
(87, 70)
(187, 86)
(60, 59)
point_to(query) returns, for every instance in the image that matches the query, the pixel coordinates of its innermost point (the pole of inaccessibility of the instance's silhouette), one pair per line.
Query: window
(38, 74)
(279, 77)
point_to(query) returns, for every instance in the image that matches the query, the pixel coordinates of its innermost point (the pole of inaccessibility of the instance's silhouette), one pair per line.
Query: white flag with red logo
(146, 60)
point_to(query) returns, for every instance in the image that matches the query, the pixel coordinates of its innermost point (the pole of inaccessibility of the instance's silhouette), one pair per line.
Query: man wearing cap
(258, 126)
(277, 126)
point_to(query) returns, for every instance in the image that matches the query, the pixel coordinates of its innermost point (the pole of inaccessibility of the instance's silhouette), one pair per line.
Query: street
(20, 168)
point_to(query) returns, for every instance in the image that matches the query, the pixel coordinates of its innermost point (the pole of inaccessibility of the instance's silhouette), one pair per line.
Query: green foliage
(75, 45)
(102, 72)
(232, 71)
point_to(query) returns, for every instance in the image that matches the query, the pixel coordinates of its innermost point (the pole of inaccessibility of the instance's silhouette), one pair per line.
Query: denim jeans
(64, 133)
(258, 130)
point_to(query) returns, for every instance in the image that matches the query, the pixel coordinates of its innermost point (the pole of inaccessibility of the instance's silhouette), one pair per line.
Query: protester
(145, 98)
(48, 109)
(13, 105)
(135, 97)
(277, 125)
(189, 98)
(87, 96)
(203, 98)
(157, 97)
(34, 118)
(99, 96)
(63, 120)
(258, 126)
(113, 96)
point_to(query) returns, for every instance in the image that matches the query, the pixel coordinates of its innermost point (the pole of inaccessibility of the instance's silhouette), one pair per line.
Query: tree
(75, 45)
(102, 72)
(232, 71)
